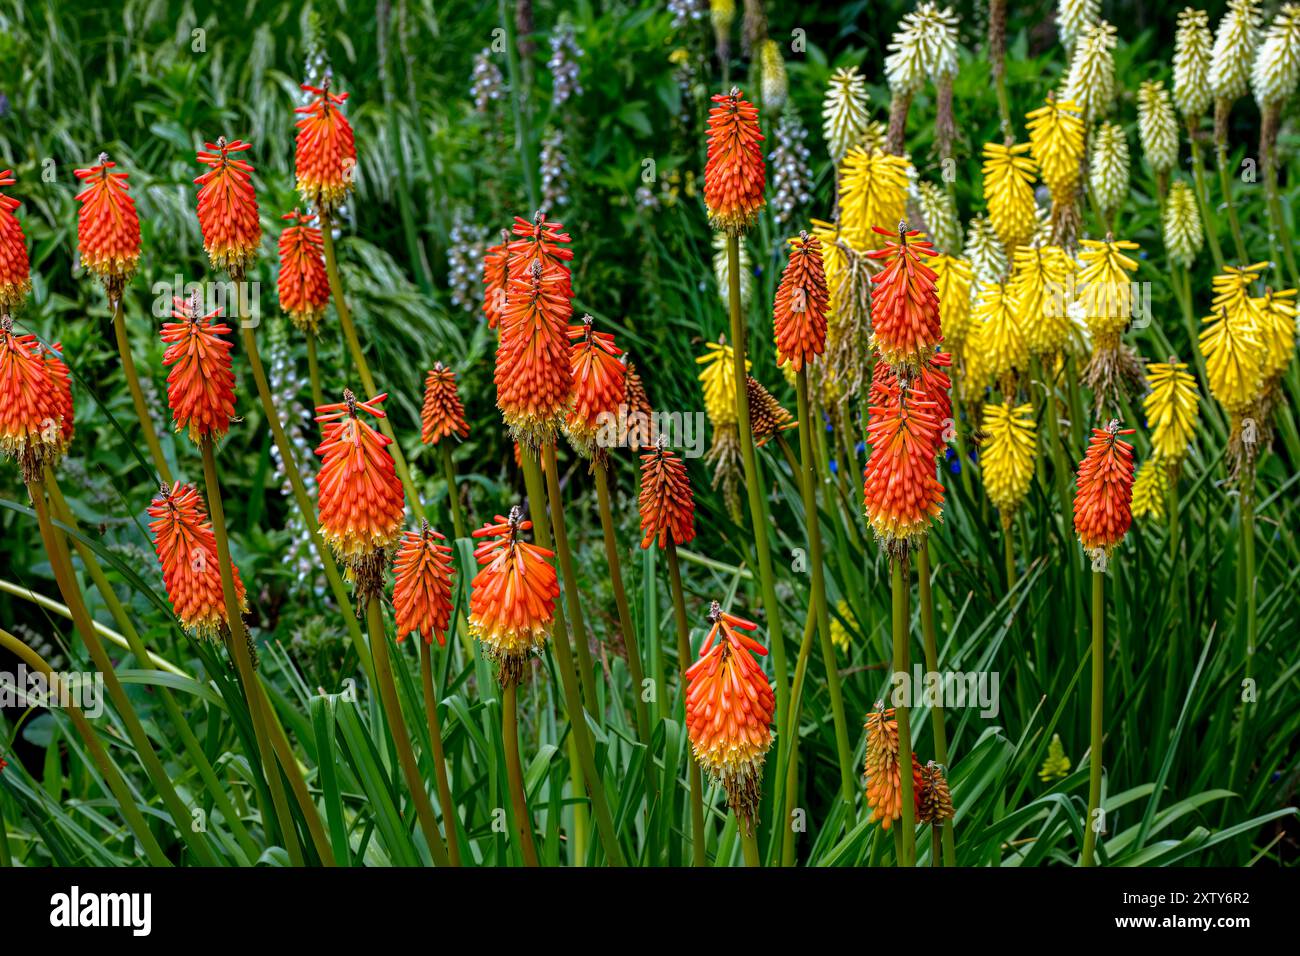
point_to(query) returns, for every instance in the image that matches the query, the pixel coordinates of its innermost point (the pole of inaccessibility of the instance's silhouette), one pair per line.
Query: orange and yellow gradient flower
(802, 301)
(15, 269)
(882, 769)
(495, 280)
(187, 550)
(905, 318)
(201, 384)
(729, 707)
(534, 375)
(228, 207)
(901, 494)
(512, 598)
(1103, 501)
(303, 285)
(734, 174)
(599, 385)
(325, 155)
(31, 419)
(108, 228)
(442, 414)
(61, 383)
(541, 241)
(361, 504)
(666, 503)
(422, 585)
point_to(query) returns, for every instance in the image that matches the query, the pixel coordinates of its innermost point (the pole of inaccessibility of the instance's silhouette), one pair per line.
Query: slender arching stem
(449, 472)
(901, 664)
(518, 797)
(932, 665)
(1096, 726)
(572, 597)
(439, 757)
(313, 371)
(137, 394)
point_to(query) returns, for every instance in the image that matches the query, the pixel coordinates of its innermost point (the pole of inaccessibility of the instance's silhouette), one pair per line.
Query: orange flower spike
(541, 241)
(360, 503)
(599, 385)
(882, 769)
(31, 430)
(904, 304)
(802, 300)
(932, 385)
(534, 374)
(666, 503)
(15, 270)
(512, 598)
(729, 707)
(422, 585)
(442, 414)
(61, 383)
(495, 280)
(900, 491)
(187, 550)
(201, 384)
(734, 175)
(303, 284)
(1103, 501)
(108, 228)
(228, 207)
(325, 153)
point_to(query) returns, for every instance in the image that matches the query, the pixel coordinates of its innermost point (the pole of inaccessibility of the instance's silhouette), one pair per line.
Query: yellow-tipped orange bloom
(201, 384)
(228, 207)
(108, 229)
(31, 430)
(900, 491)
(325, 155)
(802, 300)
(1103, 501)
(882, 768)
(599, 385)
(187, 549)
(932, 385)
(512, 598)
(904, 305)
(534, 375)
(422, 585)
(61, 383)
(541, 241)
(303, 284)
(729, 707)
(361, 504)
(15, 270)
(442, 414)
(495, 276)
(734, 175)
(666, 503)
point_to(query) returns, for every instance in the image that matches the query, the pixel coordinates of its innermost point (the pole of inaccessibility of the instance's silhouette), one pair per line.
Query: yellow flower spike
(1232, 289)
(997, 342)
(1056, 765)
(1009, 191)
(1170, 409)
(873, 192)
(1277, 331)
(1234, 358)
(1150, 487)
(719, 381)
(1007, 456)
(1041, 282)
(952, 283)
(1057, 143)
(1105, 288)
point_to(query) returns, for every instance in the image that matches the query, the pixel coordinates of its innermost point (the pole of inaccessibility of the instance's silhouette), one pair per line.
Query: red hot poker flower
(61, 383)
(666, 503)
(325, 153)
(228, 207)
(422, 585)
(303, 285)
(734, 175)
(361, 503)
(901, 493)
(932, 385)
(904, 303)
(15, 270)
(799, 317)
(883, 768)
(495, 276)
(1103, 501)
(108, 229)
(512, 598)
(31, 429)
(187, 549)
(599, 386)
(534, 375)
(541, 241)
(201, 384)
(729, 707)
(442, 414)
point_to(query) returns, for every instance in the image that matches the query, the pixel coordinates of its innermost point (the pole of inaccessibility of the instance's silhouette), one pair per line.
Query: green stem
(1225, 184)
(1009, 554)
(518, 797)
(620, 599)
(750, 845)
(902, 665)
(684, 660)
(1096, 727)
(1248, 585)
(848, 782)
(363, 369)
(397, 731)
(1203, 199)
(137, 395)
(439, 757)
(453, 492)
(572, 596)
(313, 372)
(949, 840)
(117, 785)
